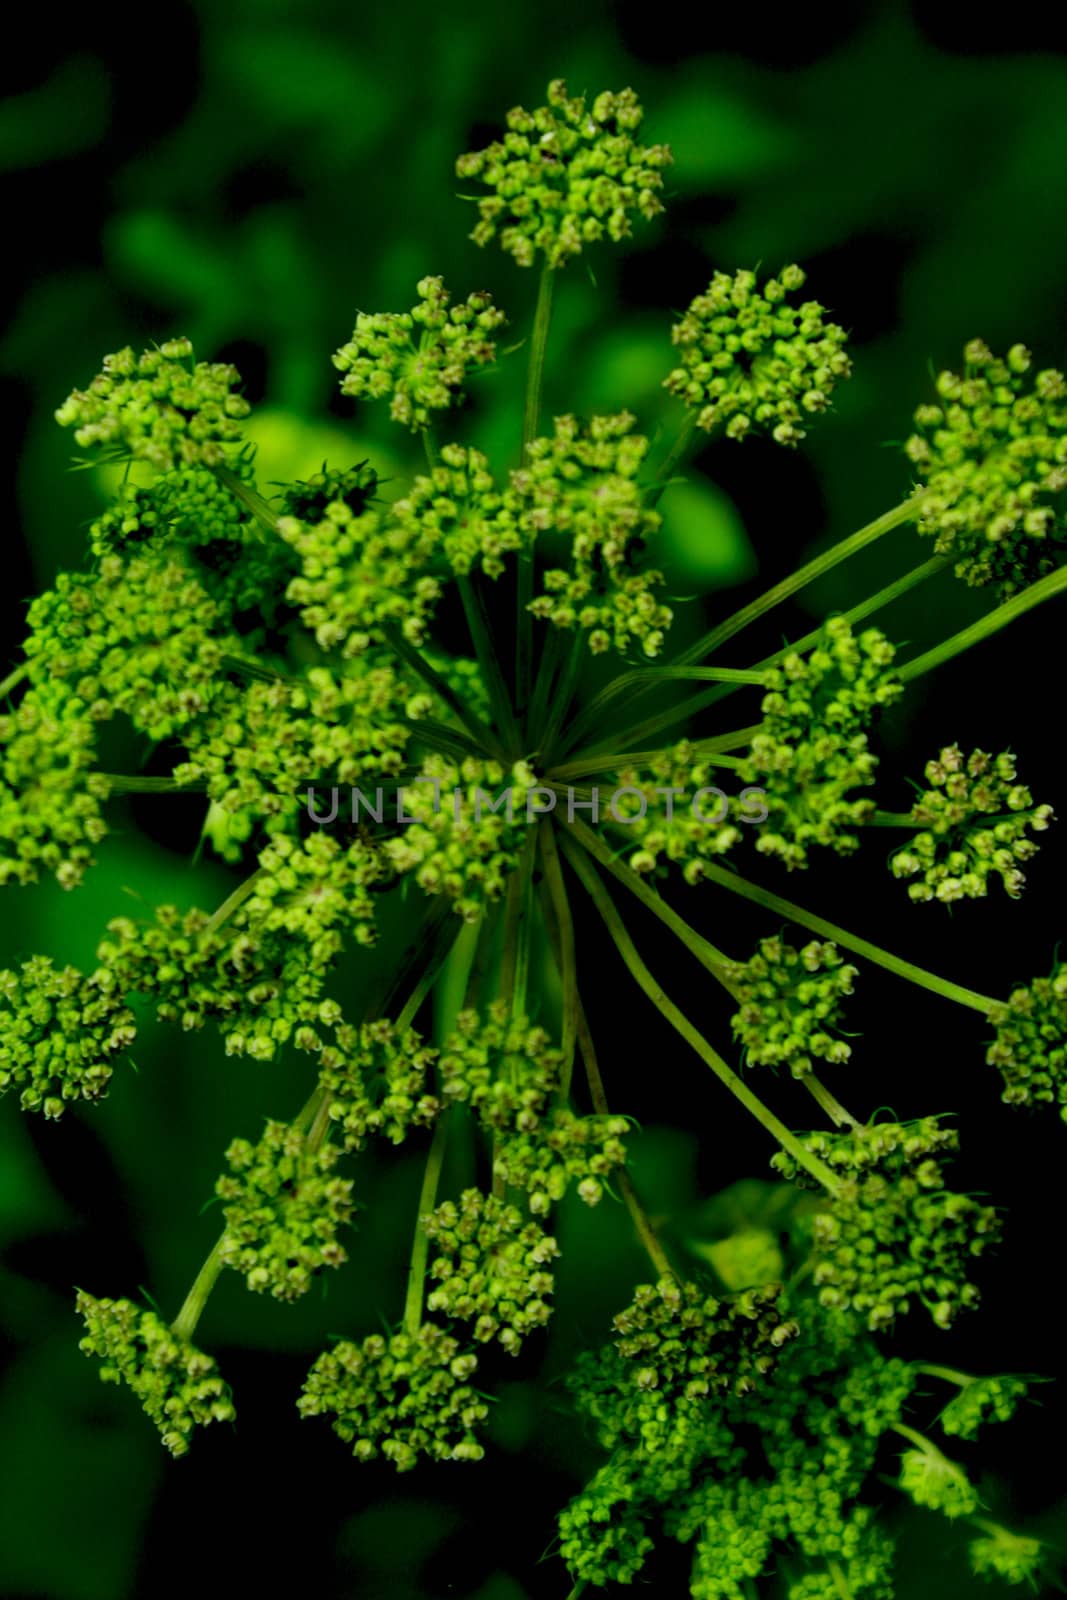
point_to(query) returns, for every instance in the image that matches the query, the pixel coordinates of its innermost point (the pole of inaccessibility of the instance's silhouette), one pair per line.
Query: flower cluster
(283, 1206)
(791, 1004)
(991, 458)
(582, 484)
(508, 1073)
(459, 511)
(982, 1400)
(141, 637)
(61, 1032)
(490, 1268)
(666, 829)
(892, 1233)
(160, 408)
(261, 989)
(974, 821)
(399, 1397)
(565, 176)
(1030, 1046)
(1003, 1554)
(812, 749)
(376, 1081)
(360, 572)
(752, 1477)
(751, 360)
(688, 1345)
(178, 1386)
(51, 800)
(932, 1480)
(465, 829)
(259, 748)
(420, 358)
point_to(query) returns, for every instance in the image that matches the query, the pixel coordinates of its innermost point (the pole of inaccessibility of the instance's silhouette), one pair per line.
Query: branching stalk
(667, 1009)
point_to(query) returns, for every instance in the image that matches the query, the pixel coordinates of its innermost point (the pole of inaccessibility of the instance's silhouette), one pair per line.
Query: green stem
(420, 1249)
(134, 783)
(413, 1004)
(800, 579)
(561, 700)
(530, 416)
(712, 751)
(919, 1440)
(708, 697)
(946, 1374)
(231, 904)
(839, 1116)
(478, 730)
(184, 1325)
(488, 661)
(450, 741)
(672, 460)
(260, 508)
(713, 960)
(667, 1009)
(840, 1581)
(567, 962)
(547, 669)
(640, 1218)
(429, 444)
(850, 941)
(992, 623)
(13, 679)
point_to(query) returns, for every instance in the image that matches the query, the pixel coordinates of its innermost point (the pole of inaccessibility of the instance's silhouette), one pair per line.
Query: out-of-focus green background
(250, 173)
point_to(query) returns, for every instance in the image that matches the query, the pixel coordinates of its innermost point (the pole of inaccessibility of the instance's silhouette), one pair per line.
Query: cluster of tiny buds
(974, 821)
(420, 358)
(752, 361)
(491, 1268)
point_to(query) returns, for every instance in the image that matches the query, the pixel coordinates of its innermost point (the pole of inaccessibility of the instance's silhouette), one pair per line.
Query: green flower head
(490, 1268)
(582, 484)
(812, 750)
(892, 1234)
(975, 821)
(402, 1396)
(791, 1004)
(751, 361)
(1030, 1047)
(565, 176)
(419, 358)
(160, 408)
(60, 1033)
(459, 512)
(990, 455)
(178, 1386)
(283, 1206)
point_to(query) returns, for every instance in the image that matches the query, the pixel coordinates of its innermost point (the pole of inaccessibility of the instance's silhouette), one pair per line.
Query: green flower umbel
(565, 176)
(284, 1207)
(421, 358)
(178, 1386)
(159, 407)
(791, 1004)
(582, 483)
(1030, 1048)
(399, 1397)
(974, 818)
(991, 458)
(892, 1234)
(750, 361)
(812, 750)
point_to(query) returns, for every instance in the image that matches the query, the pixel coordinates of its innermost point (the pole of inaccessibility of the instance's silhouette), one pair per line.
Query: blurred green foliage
(250, 173)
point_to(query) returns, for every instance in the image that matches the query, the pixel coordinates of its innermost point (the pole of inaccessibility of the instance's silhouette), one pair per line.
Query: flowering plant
(279, 647)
